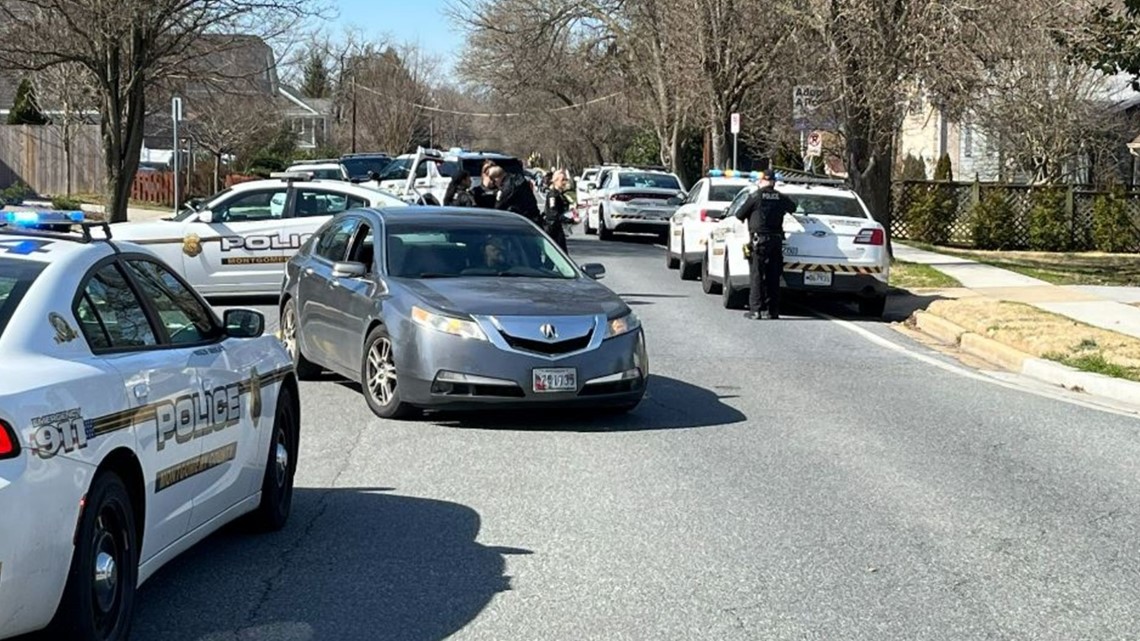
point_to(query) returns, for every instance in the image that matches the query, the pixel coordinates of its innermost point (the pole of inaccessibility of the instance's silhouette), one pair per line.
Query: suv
(320, 169)
(359, 165)
(631, 199)
(423, 177)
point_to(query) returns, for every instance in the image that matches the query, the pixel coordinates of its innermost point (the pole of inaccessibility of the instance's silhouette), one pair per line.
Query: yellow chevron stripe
(836, 269)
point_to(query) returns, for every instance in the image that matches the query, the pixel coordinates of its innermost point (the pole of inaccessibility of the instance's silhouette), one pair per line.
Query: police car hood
(518, 296)
(149, 230)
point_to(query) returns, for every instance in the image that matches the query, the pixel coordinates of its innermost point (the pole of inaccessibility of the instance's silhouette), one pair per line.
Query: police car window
(311, 202)
(333, 245)
(648, 181)
(723, 193)
(737, 203)
(186, 320)
(695, 194)
(111, 316)
(255, 205)
(326, 173)
(818, 205)
(16, 276)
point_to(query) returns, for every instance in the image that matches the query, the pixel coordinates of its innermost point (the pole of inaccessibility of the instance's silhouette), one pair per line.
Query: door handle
(308, 271)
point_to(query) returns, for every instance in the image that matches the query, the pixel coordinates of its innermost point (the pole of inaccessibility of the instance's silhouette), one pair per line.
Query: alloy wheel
(381, 378)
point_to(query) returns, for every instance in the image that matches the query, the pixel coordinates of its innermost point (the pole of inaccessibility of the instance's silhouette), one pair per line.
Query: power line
(484, 114)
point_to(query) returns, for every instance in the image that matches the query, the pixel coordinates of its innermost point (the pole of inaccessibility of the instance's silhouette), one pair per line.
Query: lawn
(1084, 268)
(906, 275)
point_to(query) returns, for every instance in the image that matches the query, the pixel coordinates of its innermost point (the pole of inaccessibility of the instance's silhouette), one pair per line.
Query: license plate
(789, 250)
(555, 380)
(817, 279)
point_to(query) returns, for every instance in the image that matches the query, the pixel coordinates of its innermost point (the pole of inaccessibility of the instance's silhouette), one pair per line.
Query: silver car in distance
(446, 308)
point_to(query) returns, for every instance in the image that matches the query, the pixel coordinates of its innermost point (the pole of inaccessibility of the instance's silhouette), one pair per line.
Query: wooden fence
(964, 197)
(34, 156)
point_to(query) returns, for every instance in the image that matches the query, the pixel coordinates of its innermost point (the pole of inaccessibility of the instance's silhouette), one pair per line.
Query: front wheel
(99, 598)
(604, 232)
(280, 467)
(306, 370)
(380, 380)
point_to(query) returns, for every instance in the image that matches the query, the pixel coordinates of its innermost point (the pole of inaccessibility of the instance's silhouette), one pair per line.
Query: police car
(697, 215)
(133, 423)
(634, 199)
(238, 242)
(423, 177)
(321, 169)
(832, 247)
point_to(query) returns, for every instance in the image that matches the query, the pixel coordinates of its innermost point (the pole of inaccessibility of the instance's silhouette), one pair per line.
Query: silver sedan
(438, 308)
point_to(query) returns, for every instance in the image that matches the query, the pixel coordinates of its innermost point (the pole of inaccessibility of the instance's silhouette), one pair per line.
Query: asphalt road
(788, 480)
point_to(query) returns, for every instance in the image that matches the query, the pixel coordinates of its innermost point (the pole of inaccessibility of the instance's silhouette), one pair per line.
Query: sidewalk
(135, 214)
(1096, 306)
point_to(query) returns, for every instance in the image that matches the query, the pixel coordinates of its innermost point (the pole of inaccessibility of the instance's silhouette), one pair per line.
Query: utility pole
(354, 106)
(175, 117)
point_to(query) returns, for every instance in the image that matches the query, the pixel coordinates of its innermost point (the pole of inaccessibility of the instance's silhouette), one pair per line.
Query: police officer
(764, 211)
(557, 206)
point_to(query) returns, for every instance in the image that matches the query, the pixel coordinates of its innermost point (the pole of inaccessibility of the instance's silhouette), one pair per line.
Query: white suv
(423, 177)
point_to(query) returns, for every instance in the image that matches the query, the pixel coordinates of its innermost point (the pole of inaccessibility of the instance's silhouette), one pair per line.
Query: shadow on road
(353, 563)
(669, 404)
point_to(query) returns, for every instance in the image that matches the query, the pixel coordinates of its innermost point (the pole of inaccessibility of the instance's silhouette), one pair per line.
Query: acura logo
(819, 233)
(548, 331)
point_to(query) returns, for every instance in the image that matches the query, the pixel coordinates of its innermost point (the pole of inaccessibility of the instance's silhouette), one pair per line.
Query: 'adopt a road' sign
(805, 100)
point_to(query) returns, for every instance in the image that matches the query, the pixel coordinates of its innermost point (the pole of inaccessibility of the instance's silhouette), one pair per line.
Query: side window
(695, 195)
(364, 248)
(311, 202)
(333, 245)
(737, 203)
(254, 205)
(422, 170)
(110, 314)
(187, 321)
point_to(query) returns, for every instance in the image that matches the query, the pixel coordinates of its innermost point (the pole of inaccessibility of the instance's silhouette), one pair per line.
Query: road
(799, 479)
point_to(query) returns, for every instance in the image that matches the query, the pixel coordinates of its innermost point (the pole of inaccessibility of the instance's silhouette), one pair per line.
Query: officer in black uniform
(557, 206)
(764, 211)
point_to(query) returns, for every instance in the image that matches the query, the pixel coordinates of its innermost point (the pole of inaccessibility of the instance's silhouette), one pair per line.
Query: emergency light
(34, 218)
(733, 173)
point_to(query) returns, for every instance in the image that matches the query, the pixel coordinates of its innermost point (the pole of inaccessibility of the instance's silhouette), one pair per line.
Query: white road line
(994, 378)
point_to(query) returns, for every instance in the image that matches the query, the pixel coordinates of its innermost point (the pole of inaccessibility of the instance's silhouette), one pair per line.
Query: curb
(1017, 361)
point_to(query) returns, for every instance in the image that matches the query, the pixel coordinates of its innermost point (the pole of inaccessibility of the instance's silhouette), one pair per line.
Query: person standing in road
(557, 209)
(515, 194)
(764, 212)
(484, 192)
(458, 194)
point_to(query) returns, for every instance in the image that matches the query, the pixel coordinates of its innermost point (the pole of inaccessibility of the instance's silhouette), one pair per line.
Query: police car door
(160, 387)
(221, 402)
(241, 248)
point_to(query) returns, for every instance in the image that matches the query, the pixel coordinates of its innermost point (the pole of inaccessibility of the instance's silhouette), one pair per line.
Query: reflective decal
(64, 332)
(66, 431)
(190, 468)
(192, 245)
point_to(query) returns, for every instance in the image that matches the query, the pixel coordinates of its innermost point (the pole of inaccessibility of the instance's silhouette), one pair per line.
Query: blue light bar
(32, 218)
(715, 173)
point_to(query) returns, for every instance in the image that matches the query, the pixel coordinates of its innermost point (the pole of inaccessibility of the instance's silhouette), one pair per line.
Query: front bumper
(433, 367)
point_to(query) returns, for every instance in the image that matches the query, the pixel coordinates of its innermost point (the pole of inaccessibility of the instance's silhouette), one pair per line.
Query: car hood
(150, 229)
(517, 296)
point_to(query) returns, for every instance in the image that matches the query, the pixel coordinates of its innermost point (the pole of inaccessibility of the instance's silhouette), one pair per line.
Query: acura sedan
(443, 308)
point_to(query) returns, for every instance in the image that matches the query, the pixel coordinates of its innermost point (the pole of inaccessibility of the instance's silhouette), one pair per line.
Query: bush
(1049, 220)
(1113, 230)
(993, 222)
(943, 171)
(913, 168)
(16, 193)
(24, 110)
(930, 213)
(65, 203)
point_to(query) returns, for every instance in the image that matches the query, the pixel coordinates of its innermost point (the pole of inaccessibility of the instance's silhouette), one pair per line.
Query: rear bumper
(637, 225)
(850, 286)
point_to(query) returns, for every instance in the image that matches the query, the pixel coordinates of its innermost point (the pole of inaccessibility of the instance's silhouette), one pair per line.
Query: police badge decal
(64, 332)
(192, 245)
(255, 397)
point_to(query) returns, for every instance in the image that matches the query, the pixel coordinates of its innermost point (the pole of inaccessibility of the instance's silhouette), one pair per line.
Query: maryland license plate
(556, 380)
(817, 279)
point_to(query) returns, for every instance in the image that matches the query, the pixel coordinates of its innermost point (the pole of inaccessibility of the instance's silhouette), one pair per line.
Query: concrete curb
(1017, 361)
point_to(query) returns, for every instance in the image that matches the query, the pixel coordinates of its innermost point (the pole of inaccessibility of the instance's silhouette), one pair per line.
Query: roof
(458, 216)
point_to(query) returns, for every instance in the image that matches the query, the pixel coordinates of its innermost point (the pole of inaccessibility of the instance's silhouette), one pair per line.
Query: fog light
(469, 379)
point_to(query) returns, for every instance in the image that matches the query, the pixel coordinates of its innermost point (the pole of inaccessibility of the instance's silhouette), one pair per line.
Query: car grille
(549, 349)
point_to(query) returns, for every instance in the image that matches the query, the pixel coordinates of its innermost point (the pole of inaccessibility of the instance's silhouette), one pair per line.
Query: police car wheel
(707, 283)
(689, 269)
(280, 467)
(671, 261)
(98, 601)
(379, 379)
(604, 232)
(732, 297)
(306, 370)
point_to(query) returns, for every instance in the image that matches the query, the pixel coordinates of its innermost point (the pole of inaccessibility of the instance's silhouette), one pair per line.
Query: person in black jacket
(457, 191)
(557, 207)
(764, 211)
(484, 194)
(515, 194)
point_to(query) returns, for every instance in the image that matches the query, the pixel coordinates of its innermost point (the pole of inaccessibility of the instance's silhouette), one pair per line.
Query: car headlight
(447, 324)
(623, 325)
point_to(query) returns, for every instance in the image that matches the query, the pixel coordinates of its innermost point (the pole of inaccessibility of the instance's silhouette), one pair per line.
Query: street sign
(814, 144)
(735, 123)
(176, 109)
(805, 102)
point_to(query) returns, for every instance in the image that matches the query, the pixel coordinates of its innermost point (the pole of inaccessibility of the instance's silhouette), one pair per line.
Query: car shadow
(669, 404)
(352, 563)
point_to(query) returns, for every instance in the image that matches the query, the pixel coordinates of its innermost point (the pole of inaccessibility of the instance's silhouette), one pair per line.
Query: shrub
(1049, 220)
(993, 222)
(930, 213)
(16, 193)
(943, 171)
(65, 203)
(24, 110)
(1113, 230)
(913, 168)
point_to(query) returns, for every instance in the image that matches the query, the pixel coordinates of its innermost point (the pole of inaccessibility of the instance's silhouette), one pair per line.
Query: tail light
(707, 216)
(870, 237)
(622, 197)
(9, 446)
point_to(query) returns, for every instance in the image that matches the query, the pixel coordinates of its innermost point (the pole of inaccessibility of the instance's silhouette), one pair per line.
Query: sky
(421, 22)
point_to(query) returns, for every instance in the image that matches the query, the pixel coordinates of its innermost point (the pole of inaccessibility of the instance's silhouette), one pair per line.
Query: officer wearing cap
(764, 211)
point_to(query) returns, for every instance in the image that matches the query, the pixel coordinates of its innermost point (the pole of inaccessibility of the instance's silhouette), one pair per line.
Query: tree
(391, 85)
(131, 48)
(69, 94)
(225, 124)
(943, 170)
(25, 109)
(315, 83)
(1107, 38)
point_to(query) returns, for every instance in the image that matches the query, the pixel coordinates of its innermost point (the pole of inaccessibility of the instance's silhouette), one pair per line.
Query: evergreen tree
(943, 170)
(316, 77)
(24, 109)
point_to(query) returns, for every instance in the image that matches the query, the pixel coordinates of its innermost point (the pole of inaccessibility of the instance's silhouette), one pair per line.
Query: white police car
(832, 247)
(238, 242)
(133, 423)
(697, 215)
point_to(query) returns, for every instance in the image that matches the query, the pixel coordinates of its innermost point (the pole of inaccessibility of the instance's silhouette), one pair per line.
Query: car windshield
(16, 276)
(724, 193)
(397, 169)
(474, 167)
(447, 250)
(325, 173)
(359, 167)
(824, 205)
(188, 211)
(648, 181)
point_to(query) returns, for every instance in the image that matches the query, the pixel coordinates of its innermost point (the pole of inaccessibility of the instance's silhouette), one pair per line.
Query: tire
(391, 406)
(586, 229)
(604, 232)
(707, 283)
(873, 307)
(101, 609)
(689, 271)
(305, 369)
(280, 467)
(671, 261)
(732, 297)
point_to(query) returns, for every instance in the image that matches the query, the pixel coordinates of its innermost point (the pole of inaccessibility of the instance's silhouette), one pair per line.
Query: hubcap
(381, 372)
(281, 455)
(289, 332)
(106, 571)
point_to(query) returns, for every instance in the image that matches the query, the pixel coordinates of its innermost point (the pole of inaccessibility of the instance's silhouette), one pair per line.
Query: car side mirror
(205, 216)
(244, 323)
(675, 200)
(597, 271)
(348, 270)
(590, 185)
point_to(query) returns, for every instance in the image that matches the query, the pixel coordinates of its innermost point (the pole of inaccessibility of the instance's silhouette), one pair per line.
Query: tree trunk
(67, 153)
